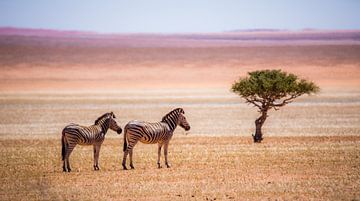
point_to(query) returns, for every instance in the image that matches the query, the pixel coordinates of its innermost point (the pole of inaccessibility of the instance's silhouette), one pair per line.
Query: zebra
(74, 134)
(151, 133)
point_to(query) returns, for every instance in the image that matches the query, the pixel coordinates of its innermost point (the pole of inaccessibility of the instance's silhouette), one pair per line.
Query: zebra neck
(104, 126)
(171, 123)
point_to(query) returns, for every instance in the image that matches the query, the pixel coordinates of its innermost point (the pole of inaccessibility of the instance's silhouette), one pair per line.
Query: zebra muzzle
(119, 131)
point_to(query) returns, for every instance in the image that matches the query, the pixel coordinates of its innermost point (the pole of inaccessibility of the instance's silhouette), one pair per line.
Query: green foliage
(265, 88)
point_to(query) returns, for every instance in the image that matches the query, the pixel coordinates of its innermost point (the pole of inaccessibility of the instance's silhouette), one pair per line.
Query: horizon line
(250, 30)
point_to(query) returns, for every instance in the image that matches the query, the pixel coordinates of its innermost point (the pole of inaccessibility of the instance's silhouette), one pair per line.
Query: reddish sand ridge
(47, 60)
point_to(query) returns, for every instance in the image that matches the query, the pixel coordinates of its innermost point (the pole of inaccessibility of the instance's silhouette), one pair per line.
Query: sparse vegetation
(271, 89)
(221, 168)
(46, 83)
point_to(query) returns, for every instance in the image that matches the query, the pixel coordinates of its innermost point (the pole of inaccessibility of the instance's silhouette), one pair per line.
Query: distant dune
(39, 59)
(234, 38)
(42, 32)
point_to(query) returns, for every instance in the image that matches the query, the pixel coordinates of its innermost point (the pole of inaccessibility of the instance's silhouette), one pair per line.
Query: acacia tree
(271, 89)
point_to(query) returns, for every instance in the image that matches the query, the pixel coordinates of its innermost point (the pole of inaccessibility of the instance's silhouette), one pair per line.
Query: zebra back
(89, 134)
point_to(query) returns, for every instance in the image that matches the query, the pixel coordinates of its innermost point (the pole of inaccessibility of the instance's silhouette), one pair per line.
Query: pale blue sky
(167, 16)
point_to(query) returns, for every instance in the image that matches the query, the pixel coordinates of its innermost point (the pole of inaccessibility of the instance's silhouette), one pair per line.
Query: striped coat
(151, 133)
(74, 134)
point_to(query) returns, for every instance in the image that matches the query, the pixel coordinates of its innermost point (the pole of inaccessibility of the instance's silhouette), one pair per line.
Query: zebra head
(183, 122)
(176, 117)
(113, 125)
(108, 121)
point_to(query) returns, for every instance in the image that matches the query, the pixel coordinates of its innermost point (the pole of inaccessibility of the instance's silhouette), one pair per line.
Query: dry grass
(210, 112)
(311, 147)
(203, 168)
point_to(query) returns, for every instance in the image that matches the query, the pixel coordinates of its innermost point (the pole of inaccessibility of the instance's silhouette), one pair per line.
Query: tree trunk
(259, 122)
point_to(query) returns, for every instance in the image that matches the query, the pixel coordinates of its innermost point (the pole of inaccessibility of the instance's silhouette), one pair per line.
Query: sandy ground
(210, 112)
(203, 168)
(310, 149)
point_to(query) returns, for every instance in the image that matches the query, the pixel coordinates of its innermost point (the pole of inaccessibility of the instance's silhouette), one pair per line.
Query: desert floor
(311, 147)
(203, 168)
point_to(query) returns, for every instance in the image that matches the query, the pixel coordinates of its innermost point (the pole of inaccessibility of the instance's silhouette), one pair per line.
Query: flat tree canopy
(267, 89)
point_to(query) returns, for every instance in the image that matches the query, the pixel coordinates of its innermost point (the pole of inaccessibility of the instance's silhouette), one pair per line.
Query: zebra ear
(112, 115)
(182, 111)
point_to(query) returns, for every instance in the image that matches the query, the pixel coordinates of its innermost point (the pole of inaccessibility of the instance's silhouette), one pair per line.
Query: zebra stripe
(151, 133)
(74, 134)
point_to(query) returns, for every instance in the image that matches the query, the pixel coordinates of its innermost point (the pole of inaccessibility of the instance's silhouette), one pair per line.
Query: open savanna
(203, 168)
(311, 148)
(48, 80)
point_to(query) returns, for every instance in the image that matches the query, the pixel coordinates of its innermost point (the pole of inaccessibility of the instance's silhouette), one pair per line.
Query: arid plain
(49, 79)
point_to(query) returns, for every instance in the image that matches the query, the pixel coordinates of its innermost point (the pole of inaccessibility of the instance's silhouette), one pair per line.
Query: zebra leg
(131, 159)
(65, 160)
(94, 148)
(166, 154)
(68, 152)
(159, 154)
(124, 159)
(63, 150)
(96, 157)
(64, 166)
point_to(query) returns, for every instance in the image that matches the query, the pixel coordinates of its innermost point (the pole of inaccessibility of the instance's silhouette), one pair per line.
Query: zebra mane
(177, 111)
(103, 116)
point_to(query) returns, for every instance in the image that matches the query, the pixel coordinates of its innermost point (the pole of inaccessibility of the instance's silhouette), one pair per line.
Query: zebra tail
(63, 146)
(125, 143)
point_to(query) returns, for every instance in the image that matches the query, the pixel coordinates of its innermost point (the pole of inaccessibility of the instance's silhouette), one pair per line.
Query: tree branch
(255, 101)
(285, 101)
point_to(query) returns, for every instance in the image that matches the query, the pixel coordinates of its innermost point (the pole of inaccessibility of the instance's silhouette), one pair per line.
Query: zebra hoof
(124, 167)
(168, 166)
(96, 168)
(132, 167)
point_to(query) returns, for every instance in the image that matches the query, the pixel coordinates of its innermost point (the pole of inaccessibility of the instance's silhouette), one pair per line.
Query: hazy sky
(169, 16)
